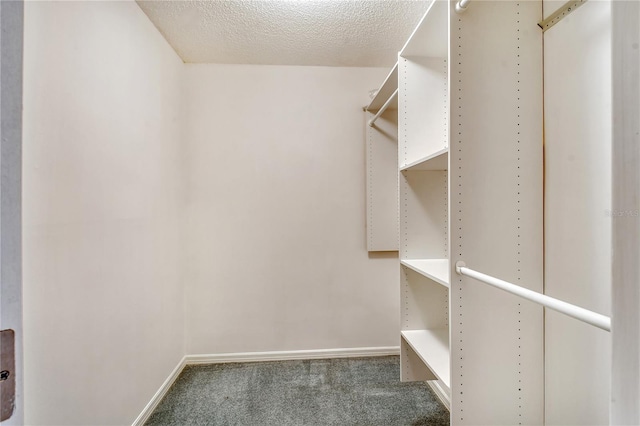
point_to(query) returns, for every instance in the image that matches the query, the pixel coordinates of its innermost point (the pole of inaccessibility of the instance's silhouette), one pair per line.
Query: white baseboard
(440, 393)
(148, 410)
(290, 355)
(255, 357)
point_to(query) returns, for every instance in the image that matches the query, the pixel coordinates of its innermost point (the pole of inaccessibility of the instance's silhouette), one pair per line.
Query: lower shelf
(432, 346)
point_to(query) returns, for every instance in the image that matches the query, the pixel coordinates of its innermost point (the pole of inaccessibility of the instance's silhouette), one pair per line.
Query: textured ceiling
(305, 32)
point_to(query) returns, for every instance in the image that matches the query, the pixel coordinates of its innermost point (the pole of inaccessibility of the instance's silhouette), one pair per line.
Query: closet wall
(103, 299)
(276, 212)
(578, 212)
(176, 209)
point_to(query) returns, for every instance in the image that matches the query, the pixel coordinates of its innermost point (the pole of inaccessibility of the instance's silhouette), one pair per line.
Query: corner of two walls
(175, 209)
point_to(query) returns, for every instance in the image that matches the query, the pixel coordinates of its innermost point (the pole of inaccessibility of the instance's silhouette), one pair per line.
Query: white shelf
(431, 35)
(386, 90)
(439, 160)
(434, 269)
(432, 346)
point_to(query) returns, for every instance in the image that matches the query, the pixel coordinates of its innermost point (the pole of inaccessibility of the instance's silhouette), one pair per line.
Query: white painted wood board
(382, 182)
(625, 380)
(423, 107)
(424, 306)
(432, 346)
(438, 160)
(424, 303)
(435, 269)
(577, 97)
(413, 367)
(495, 174)
(424, 216)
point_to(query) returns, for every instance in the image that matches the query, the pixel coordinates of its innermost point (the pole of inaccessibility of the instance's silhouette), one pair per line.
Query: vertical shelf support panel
(495, 173)
(625, 385)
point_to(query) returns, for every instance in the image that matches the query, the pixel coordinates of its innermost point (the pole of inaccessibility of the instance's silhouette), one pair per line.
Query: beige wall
(172, 209)
(276, 212)
(103, 295)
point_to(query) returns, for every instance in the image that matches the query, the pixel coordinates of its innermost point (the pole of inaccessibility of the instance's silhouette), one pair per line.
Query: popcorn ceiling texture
(365, 33)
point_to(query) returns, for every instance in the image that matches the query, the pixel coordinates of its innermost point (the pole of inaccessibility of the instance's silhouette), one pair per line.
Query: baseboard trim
(256, 357)
(148, 410)
(291, 355)
(440, 393)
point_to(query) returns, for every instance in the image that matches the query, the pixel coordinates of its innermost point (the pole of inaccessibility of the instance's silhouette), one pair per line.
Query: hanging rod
(383, 108)
(461, 6)
(585, 315)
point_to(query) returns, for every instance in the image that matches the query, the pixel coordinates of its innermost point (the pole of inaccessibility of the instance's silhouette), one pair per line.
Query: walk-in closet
(320, 212)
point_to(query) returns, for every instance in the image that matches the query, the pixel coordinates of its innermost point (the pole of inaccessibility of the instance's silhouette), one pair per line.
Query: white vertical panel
(424, 303)
(423, 218)
(382, 182)
(625, 383)
(495, 177)
(422, 90)
(577, 211)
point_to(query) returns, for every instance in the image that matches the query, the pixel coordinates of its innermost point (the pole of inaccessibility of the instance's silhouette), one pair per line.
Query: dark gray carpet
(345, 392)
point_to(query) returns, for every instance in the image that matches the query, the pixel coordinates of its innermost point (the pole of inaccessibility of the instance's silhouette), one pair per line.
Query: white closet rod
(461, 6)
(573, 311)
(383, 108)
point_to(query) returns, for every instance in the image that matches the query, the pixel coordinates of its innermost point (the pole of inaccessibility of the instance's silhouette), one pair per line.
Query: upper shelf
(431, 35)
(439, 160)
(386, 90)
(434, 269)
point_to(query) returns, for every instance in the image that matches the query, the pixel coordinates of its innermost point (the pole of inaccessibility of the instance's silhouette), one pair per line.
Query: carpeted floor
(345, 392)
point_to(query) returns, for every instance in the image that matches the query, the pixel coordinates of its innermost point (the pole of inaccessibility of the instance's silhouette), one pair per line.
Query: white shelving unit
(470, 176)
(423, 154)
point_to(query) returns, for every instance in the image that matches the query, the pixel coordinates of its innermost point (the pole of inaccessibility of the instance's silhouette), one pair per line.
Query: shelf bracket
(560, 14)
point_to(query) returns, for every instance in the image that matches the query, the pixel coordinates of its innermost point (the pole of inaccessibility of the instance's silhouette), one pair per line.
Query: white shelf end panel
(432, 346)
(434, 269)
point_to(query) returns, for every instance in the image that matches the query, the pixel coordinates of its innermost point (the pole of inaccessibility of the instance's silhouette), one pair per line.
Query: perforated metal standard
(560, 14)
